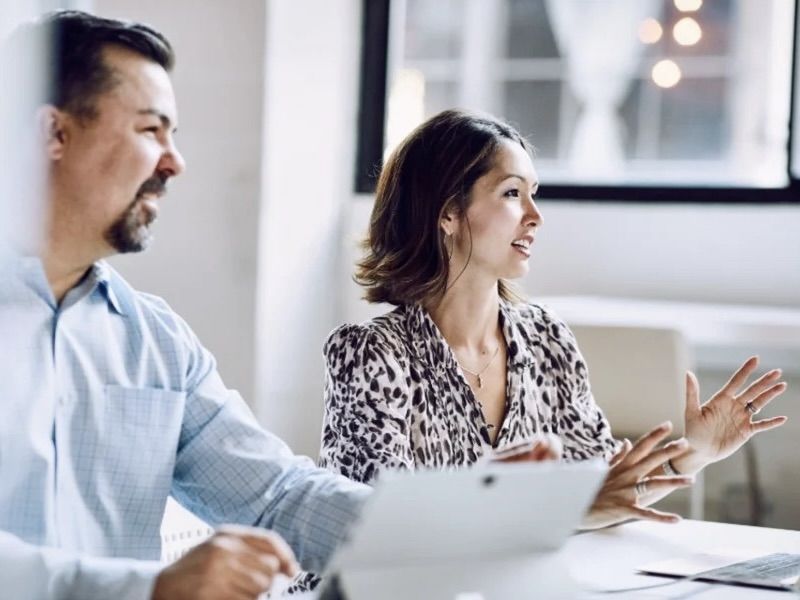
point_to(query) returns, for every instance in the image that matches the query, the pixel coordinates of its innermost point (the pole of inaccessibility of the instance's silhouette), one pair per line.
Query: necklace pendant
(480, 381)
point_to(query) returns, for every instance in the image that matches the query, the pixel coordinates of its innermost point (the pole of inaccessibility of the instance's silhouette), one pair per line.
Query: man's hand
(236, 563)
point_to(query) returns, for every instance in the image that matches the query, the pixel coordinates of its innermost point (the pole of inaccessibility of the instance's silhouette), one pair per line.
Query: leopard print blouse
(395, 397)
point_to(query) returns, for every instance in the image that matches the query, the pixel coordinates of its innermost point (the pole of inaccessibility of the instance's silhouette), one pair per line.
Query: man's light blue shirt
(110, 404)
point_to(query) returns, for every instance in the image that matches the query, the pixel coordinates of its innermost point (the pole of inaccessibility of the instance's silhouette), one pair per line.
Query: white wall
(268, 143)
(312, 82)
(203, 260)
(715, 253)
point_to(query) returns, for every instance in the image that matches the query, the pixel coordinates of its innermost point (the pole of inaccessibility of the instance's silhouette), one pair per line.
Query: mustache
(157, 185)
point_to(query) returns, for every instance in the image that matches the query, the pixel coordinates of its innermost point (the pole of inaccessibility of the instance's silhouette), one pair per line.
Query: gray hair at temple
(73, 44)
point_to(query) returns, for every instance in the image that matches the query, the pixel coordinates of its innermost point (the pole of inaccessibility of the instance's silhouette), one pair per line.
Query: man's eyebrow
(165, 120)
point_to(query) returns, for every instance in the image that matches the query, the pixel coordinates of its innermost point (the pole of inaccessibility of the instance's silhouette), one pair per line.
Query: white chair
(637, 375)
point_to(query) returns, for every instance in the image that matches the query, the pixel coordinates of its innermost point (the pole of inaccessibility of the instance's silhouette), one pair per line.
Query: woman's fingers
(645, 444)
(759, 385)
(767, 424)
(651, 514)
(767, 396)
(662, 455)
(620, 455)
(739, 378)
(543, 450)
(692, 394)
(661, 483)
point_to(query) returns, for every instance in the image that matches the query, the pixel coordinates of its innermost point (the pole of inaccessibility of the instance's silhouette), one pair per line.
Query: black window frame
(371, 124)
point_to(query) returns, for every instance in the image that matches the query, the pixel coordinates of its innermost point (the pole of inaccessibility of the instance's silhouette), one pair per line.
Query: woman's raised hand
(627, 486)
(727, 420)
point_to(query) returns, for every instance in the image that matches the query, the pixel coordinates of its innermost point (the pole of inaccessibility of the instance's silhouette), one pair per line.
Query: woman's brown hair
(430, 174)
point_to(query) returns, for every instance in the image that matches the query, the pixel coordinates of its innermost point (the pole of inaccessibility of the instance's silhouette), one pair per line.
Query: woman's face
(502, 219)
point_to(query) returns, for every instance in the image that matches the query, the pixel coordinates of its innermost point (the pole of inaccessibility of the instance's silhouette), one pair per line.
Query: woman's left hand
(726, 421)
(543, 447)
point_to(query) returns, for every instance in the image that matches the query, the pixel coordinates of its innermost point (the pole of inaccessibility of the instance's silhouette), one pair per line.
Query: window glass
(618, 92)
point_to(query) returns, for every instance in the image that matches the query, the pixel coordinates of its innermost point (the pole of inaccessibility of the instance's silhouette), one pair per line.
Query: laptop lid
(492, 510)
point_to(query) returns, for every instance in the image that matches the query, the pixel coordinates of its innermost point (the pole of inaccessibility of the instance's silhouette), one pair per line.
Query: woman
(464, 365)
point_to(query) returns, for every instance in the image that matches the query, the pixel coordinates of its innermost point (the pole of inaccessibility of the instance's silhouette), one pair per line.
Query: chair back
(637, 375)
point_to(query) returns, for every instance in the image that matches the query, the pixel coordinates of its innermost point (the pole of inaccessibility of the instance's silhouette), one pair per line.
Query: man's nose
(172, 162)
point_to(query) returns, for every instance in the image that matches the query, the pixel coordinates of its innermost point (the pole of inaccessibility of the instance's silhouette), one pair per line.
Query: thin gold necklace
(479, 374)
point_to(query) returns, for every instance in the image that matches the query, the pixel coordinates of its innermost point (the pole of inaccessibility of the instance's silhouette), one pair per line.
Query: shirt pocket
(142, 427)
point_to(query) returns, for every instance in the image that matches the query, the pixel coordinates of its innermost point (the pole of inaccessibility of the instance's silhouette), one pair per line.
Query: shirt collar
(520, 334)
(429, 344)
(427, 341)
(104, 276)
(100, 278)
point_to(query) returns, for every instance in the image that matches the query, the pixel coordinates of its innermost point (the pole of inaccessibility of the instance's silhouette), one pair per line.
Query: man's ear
(51, 126)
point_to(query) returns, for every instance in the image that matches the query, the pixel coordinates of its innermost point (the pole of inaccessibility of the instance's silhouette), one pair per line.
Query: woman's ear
(50, 125)
(449, 223)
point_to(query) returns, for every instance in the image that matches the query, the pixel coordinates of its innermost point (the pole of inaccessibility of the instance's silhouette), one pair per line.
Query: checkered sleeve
(230, 470)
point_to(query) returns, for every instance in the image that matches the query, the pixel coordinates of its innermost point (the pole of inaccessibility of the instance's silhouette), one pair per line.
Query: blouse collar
(429, 344)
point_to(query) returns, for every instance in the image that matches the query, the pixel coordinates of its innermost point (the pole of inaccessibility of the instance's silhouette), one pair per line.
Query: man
(112, 403)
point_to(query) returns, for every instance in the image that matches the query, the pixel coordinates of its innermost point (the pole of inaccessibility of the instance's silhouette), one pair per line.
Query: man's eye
(153, 129)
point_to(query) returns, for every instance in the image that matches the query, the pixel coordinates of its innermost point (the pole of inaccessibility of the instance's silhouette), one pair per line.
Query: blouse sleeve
(585, 431)
(365, 426)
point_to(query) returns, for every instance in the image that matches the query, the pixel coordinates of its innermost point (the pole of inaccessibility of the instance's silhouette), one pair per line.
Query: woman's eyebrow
(503, 178)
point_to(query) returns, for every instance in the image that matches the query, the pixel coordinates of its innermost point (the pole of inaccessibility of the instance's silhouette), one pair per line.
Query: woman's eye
(512, 194)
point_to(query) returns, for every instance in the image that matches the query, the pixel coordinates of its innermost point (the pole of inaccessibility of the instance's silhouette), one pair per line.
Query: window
(625, 97)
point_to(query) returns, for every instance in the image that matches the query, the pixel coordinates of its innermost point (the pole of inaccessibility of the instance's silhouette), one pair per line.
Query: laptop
(491, 531)
(780, 570)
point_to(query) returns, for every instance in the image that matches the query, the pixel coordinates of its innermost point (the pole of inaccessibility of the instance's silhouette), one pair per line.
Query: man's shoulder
(144, 309)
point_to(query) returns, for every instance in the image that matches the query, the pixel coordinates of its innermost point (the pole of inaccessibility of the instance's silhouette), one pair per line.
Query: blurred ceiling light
(687, 32)
(666, 73)
(406, 107)
(688, 5)
(650, 31)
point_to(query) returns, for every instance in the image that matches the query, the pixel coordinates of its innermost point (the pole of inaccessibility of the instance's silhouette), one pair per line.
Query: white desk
(607, 559)
(720, 335)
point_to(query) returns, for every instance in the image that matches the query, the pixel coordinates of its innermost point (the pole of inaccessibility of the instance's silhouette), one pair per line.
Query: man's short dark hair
(77, 40)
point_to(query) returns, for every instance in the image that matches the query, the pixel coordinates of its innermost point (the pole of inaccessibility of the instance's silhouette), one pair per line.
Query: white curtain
(599, 41)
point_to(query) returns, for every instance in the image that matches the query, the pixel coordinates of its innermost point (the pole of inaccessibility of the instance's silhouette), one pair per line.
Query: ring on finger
(640, 488)
(751, 408)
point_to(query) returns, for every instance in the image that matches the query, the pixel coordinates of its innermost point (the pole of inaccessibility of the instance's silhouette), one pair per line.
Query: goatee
(131, 231)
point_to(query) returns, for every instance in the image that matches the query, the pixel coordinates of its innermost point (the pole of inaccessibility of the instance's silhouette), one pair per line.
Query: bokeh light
(687, 32)
(666, 73)
(650, 31)
(688, 5)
